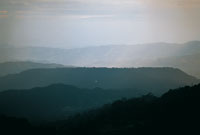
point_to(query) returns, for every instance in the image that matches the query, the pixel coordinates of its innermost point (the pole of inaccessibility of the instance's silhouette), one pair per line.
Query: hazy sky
(79, 23)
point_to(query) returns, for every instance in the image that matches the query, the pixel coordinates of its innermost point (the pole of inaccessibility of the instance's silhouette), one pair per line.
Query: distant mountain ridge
(143, 55)
(19, 66)
(155, 80)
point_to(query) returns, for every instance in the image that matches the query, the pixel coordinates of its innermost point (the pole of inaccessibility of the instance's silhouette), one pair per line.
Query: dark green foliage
(11, 125)
(176, 112)
(20, 126)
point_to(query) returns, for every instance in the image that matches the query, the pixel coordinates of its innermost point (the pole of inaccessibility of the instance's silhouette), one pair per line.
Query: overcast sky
(79, 23)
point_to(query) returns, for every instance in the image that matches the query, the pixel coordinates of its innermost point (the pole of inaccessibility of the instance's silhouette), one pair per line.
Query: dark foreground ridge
(176, 112)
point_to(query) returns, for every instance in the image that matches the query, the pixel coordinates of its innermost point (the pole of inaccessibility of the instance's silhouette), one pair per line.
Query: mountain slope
(188, 63)
(56, 101)
(17, 67)
(176, 112)
(155, 80)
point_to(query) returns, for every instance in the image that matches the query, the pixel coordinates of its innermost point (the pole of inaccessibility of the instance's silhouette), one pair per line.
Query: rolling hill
(56, 101)
(155, 80)
(175, 112)
(19, 66)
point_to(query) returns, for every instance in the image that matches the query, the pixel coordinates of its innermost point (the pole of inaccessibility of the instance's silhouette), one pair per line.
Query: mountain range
(183, 56)
(108, 90)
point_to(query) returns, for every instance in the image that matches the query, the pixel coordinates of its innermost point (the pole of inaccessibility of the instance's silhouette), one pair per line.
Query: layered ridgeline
(176, 112)
(155, 80)
(56, 101)
(183, 56)
(17, 67)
